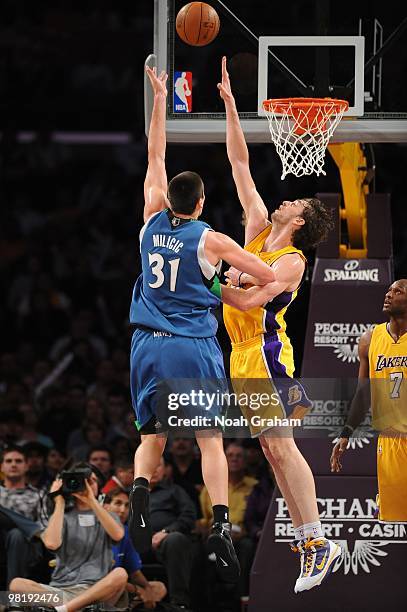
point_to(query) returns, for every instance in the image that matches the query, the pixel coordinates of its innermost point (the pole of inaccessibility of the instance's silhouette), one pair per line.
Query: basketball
(197, 24)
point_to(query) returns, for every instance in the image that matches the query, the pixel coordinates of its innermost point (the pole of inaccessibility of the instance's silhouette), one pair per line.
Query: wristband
(55, 494)
(238, 280)
(346, 432)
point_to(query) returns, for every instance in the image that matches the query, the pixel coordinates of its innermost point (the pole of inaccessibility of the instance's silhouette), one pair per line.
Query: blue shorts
(164, 366)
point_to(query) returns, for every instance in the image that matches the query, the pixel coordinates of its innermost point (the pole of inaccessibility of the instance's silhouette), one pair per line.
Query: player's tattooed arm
(155, 184)
(255, 210)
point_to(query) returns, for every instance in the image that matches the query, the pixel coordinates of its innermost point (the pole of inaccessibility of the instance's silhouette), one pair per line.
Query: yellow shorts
(392, 478)
(266, 393)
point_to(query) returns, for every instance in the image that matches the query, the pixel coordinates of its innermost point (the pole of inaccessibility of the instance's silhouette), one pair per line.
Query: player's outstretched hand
(158, 83)
(225, 89)
(337, 452)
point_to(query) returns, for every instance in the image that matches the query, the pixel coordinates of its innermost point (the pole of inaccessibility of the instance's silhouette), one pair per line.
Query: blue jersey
(178, 287)
(125, 555)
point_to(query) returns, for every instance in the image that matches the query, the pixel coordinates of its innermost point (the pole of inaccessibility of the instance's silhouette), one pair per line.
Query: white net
(301, 132)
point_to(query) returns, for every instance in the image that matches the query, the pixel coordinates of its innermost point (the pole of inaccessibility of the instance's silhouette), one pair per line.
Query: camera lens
(72, 484)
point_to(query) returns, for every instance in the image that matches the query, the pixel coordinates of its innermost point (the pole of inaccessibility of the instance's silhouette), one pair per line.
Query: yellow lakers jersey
(267, 319)
(388, 379)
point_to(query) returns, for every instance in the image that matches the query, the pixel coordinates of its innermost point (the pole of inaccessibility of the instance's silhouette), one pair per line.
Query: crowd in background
(69, 223)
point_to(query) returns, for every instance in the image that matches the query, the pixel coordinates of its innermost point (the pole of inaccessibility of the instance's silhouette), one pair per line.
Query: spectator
(56, 417)
(240, 487)
(21, 515)
(82, 541)
(186, 468)
(101, 457)
(80, 330)
(256, 465)
(95, 436)
(30, 431)
(37, 475)
(105, 379)
(54, 462)
(126, 556)
(173, 515)
(124, 446)
(258, 504)
(116, 408)
(94, 413)
(123, 475)
(13, 426)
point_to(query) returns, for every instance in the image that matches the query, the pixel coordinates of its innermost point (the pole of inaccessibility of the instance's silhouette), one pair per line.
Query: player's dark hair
(184, 191)
(318, 223)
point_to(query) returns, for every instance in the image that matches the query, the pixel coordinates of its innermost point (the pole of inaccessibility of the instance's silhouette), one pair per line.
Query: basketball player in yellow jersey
(254, 318)
(383, 386)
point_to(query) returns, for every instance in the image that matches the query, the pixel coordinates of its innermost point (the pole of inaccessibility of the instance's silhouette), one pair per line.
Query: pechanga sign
(365, 577)
(342, 338)
(352, 270)
(346, 299)
(352, 524)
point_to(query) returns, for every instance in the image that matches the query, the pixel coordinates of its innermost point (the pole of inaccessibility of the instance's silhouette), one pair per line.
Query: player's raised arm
(238, 154)
(219, 246)
(155, 184)
(287, 277)
(360, 403)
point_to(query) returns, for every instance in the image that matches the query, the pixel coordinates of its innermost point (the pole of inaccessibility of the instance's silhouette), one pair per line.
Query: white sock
(61, 608)
(309, 530)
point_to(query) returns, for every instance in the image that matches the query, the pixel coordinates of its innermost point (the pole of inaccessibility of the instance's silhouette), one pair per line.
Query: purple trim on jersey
(271, 350)
(274, 307)
(291, 391)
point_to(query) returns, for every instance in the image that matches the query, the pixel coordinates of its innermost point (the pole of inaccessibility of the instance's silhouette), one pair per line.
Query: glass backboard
(313, 48)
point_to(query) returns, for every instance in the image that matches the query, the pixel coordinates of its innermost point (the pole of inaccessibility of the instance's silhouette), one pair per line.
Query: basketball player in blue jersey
(261, 349)
(175, 329)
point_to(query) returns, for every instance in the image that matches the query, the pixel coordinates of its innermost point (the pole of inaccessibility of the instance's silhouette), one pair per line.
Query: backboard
(355, 51)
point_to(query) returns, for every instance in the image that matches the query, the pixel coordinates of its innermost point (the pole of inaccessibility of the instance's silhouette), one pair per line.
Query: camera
(73, 481)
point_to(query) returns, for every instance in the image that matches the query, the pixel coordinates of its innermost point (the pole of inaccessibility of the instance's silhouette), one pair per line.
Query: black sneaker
(220, 543)
(139, 518)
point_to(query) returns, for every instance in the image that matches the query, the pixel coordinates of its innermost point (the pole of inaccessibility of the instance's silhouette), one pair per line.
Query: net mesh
(300, 129)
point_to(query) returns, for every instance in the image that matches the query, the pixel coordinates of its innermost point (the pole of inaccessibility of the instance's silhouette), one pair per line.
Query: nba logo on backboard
(182, 92)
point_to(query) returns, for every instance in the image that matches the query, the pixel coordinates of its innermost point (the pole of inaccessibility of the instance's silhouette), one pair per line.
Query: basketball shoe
(317, 556)
(220, 543)
(140, 530)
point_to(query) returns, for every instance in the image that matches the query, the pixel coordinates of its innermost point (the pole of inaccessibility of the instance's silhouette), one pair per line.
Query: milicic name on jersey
(168, 242)
(390, 362)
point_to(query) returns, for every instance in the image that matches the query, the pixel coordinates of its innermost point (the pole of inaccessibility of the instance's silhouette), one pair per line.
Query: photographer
(82, 540)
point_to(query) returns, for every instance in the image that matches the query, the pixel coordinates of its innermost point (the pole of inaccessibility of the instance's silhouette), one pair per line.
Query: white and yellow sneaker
(317, 557)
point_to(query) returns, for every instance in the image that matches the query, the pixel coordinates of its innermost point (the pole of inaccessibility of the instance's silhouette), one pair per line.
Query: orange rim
(282, 105)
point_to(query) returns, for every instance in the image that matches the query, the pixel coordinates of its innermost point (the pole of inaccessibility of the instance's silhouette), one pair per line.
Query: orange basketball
(197, 24)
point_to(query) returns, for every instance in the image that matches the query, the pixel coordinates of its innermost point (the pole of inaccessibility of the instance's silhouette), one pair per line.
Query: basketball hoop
(300, 129)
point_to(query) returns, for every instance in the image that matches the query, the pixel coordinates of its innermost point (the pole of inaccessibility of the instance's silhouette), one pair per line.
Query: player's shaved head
(395, 301)
(184, 191)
